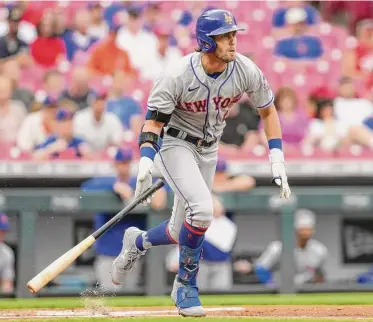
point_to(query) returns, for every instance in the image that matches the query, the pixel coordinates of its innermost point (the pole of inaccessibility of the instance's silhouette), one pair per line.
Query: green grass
(169, 319)
(300, 299)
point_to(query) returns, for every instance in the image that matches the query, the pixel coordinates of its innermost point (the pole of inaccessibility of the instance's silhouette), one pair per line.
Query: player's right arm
(161, 103)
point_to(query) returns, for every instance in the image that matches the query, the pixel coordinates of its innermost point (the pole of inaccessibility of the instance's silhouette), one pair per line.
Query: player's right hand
(144, 177)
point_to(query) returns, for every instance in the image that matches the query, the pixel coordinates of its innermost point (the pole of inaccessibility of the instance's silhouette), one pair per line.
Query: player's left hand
(279, 176)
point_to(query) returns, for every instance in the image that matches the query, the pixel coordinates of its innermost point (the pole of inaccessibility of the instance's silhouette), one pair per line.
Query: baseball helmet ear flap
(207, 44)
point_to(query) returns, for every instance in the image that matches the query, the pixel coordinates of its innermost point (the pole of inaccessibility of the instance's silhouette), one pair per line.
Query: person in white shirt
(7, 273)
(324, 131)
(141, 45)
(349, 109)
(37, 126)
(99, 128)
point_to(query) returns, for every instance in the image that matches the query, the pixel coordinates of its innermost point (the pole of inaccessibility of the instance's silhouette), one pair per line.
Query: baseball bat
(61, 263)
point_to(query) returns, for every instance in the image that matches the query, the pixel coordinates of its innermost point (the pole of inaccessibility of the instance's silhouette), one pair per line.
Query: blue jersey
(110, 243)
(74, 143)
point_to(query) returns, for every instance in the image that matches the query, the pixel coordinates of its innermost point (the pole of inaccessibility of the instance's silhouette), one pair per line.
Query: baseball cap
(135, 10)
(63, 114)
(304, 218)
(123, 155)
(295, 15)
(50, 102)
(14, 14)
(221, 165)
(4, 223)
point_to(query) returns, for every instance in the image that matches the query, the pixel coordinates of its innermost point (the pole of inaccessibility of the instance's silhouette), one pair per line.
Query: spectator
(98, 29)
(241, 131)
(124, 106)
(47, 50)
(79, 91)
(12, 70)
(358, 62)
(99, 128)
(153, 15)
(7, 273)
(165, 54)
(279, 15)
(115, 9)
(107, 57)
(109, 245)
(53, 84)
(350, 110)
(11, 46)
(309, 254)
(37, 126)
(215, 270)
(63, 141)
(293, 120)
(132, 38)
(78, 39)
(223, 182)
(60, 19)
(298, 45)
(325, 131)
(12, 113)
(26, 29)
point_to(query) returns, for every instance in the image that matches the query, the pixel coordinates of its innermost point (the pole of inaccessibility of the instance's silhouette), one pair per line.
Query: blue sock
(191, 236)
(155, 236)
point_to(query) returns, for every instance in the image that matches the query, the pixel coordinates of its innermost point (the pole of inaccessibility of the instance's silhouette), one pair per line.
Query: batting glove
(279, 177)
(144, 177)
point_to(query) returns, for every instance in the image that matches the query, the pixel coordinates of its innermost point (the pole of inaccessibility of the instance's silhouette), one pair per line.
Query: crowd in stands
(75, 76)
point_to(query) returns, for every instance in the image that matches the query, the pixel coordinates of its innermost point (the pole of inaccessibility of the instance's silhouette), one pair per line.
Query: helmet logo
(228, 18)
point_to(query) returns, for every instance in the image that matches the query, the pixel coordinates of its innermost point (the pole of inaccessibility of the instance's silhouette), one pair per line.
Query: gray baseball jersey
(6, 263)
(307, 261)
(199, 103)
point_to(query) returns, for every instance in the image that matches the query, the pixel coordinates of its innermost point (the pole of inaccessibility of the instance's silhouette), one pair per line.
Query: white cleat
(128, 257)
(193, 311)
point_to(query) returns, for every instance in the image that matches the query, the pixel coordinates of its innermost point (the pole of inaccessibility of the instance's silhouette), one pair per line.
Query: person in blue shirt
(125, 107)
(278, 18)
(109, 245)
(298, 45)
(63, 140)
(78, 39)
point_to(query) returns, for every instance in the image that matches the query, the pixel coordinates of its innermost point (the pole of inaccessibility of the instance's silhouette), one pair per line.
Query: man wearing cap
(37, 126)
(310, 255)
(10, 44)
(98, 28)
(99, 128)
(110, 244)
(164, 55)
(6, 259)
(63, 141)
(298, 45)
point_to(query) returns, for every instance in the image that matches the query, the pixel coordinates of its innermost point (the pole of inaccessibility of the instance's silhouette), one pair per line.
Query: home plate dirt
(353, 312)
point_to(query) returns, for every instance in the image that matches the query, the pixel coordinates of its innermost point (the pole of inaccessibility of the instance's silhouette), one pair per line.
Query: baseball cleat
(128, 257)
(186, 300)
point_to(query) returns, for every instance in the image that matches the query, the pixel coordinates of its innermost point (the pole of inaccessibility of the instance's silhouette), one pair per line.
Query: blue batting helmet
(212, 23)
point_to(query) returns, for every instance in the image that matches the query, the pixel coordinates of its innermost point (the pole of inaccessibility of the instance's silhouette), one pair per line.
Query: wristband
(275, 144)
(148, 152)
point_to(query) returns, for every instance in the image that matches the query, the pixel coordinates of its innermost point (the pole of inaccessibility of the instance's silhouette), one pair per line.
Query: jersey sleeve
(271, 255)
(164, 94)
(258, 89)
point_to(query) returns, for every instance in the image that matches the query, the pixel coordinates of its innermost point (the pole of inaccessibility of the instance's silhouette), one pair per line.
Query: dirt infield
(353, 312)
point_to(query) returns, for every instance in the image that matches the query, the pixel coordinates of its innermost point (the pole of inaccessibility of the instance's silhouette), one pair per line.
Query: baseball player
(186, 115)
(309, 254)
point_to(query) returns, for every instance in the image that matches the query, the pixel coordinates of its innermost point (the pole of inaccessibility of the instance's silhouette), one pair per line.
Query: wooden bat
(61, 263)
